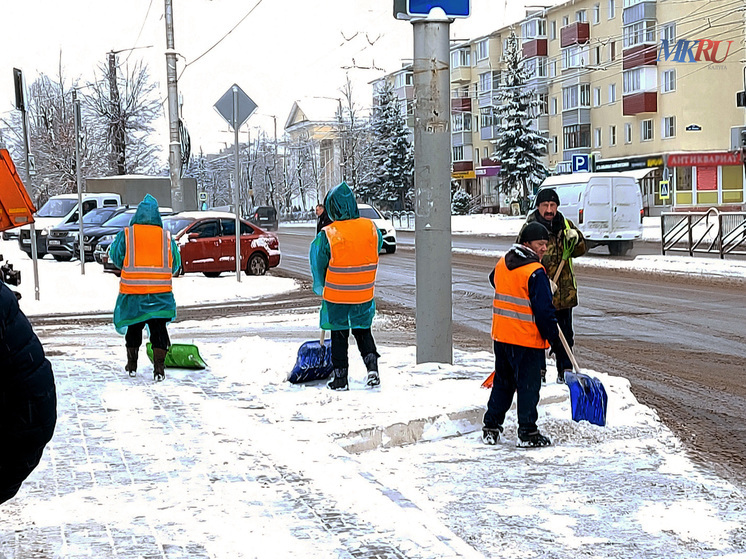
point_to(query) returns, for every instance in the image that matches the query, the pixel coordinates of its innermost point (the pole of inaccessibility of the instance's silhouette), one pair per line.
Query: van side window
(111, 202)
(88, 205)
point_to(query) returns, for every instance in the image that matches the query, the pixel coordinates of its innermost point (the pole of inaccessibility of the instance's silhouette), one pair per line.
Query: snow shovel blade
(489, 381)
(588, 398)
(314, 362)
(181, 356)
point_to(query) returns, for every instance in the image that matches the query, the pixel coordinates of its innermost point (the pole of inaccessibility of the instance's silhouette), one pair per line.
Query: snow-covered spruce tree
(390, 182)
(519, 148)
(461, 202)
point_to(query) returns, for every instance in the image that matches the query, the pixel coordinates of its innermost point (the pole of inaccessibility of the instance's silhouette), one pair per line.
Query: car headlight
(44, 232)
(106, 238)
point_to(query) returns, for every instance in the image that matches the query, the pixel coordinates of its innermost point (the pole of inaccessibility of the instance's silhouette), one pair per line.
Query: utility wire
(145, 19)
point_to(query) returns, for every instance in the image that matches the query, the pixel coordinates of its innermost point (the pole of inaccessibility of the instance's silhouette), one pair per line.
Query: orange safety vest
(147, 260)
(513, 320)
(351, 276)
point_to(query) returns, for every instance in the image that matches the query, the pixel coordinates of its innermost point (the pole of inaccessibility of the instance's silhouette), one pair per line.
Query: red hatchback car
(207, 242)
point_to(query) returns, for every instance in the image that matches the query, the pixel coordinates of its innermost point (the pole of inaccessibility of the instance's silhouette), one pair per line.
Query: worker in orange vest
(344, 261)
(147, 257)
(523, 321)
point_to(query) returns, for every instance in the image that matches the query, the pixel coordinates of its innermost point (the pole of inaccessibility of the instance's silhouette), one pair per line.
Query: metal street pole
(236, 194)
(174, 158)
(76, 119)
(432, 179)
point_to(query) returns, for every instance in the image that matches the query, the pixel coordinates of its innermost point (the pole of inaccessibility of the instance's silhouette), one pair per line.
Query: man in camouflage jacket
(565, 241)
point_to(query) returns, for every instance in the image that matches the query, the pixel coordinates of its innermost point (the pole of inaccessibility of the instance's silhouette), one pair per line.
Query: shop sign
(629, 164)
(704, 159)
(488, 171)
(463, 175)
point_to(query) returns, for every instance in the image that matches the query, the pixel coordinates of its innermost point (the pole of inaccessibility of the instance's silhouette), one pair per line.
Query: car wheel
(62, 257)
(391, 249)
(257, 265)
(619, 248)
(212, 274)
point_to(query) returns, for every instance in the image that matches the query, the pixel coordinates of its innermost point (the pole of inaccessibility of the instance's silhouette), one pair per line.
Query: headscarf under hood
(147, 213)
(341, 204)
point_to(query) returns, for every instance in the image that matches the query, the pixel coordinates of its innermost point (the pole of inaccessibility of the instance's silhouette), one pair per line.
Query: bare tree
(354, 137)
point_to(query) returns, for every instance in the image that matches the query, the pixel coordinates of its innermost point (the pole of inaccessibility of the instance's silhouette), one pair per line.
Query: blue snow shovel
(587, 395)
(314, 361)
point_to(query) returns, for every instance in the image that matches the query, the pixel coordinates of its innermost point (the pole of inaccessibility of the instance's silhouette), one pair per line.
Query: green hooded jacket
(133, 309)
(340, 204)
(566, 295)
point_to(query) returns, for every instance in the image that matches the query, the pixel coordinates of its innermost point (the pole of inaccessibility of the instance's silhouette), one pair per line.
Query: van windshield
(57, 208)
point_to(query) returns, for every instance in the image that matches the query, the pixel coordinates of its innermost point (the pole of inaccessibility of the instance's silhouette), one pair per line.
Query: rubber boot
(159, 364)
(131, 366)
(371, 364)
(339, 382)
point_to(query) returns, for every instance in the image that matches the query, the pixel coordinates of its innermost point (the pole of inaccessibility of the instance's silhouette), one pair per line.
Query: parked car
(207, 241)
(59, 210)
(98, 239)
(266, 217)
(387, 229)
(62, 240)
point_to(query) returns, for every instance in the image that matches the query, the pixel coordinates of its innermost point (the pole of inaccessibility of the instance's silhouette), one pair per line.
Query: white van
(387, 229)
(606, 207)
(59, 210)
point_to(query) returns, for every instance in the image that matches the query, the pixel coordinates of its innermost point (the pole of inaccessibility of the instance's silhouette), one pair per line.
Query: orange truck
(16, 208)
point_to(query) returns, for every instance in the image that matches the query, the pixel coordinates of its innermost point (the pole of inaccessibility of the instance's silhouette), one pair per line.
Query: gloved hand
(553, 286)
(572, 236)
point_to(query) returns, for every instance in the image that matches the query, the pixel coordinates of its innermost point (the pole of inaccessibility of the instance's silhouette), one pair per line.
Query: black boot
(159, 364)
(371, 364)
(339, 382)
(131, 366)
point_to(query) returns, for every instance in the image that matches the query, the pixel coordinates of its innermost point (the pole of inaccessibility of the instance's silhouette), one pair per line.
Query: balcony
(643, 102)
(641, 55)
(461, 166)
(461, 74)
(536, 47)
(638, 12)
(487, 162)
(488, 133)
(461, 105)
(576, 33)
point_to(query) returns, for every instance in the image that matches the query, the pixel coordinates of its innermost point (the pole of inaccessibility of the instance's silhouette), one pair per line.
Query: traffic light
(743, 137)
(741, 99)
(20, 90)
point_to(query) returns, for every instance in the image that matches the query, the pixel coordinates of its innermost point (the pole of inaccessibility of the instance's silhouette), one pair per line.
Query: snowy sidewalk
(235, 462)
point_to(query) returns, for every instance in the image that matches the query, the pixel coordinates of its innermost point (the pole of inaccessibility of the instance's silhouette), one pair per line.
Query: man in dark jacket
(323, 218)
(522, 322)
(28, 400)
(565, 243)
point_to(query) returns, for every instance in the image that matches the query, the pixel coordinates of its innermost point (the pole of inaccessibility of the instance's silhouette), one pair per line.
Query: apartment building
(646, 87)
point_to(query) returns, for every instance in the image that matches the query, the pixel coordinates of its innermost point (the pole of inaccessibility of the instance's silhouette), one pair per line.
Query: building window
(646, 130)
(565, 21)
(461, 58)
(639, 33)
(482, 49)
(485, 82)
(462, 122)
(581, 16)
(458, 153)
(669, 81)
(612, 9)
(401, 80)
(555, 147)
(596, 96)
(597, 138)
(668, 32)
(612, 51)
(554, 106)
(541, 67)
(632, 81)
(612, 93)
(596, 13)
(627, 133)
(575, 56)
(569, 98)
(612, 135)
(476, 156)
(543, 103)
(597, 52)
(576, 136)
(669, 126)
(552, 30)
(585, 94)
(552, 68)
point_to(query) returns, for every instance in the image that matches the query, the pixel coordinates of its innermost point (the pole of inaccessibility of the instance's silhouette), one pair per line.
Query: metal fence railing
(710, 232)
(401, 220)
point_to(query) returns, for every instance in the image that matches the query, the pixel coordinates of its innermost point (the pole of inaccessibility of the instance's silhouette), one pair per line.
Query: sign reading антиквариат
(699, 50)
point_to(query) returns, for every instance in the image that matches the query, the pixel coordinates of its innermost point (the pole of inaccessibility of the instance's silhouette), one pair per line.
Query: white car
(384, 226)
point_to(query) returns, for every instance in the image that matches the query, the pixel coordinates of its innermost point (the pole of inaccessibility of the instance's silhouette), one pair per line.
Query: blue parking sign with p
(452, 8)
(581, 163)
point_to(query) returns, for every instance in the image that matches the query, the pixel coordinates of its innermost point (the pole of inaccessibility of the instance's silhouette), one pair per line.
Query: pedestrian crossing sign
(664, 189)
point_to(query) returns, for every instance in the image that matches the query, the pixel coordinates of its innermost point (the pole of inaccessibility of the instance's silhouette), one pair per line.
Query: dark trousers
(158, 333)
(517, 370)
(564, 320)
(365, 344)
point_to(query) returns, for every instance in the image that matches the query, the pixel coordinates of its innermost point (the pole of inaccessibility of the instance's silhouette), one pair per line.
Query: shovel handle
(567, 349)
(321, 337)
(559, 270)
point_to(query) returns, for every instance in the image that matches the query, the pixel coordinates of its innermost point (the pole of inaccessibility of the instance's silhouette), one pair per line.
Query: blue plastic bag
(587, 398)
(314, 362)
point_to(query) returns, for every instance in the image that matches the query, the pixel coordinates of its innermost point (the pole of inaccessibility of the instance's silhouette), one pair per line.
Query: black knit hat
(547, 195)
(533, 232)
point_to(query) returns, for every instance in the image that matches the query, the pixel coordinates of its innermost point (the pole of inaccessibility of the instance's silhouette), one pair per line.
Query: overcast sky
(283, 51)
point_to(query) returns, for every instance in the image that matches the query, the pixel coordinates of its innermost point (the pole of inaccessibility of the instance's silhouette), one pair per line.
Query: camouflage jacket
(566, 295)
